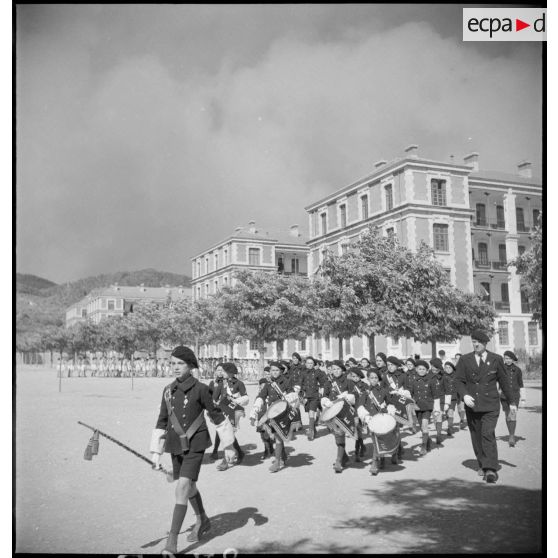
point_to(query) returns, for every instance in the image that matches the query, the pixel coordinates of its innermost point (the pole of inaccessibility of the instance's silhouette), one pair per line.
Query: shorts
(187, 465)
(423, 415)
(312, 405)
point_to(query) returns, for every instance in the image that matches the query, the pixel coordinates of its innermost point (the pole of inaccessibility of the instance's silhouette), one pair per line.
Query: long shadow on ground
(446, 516)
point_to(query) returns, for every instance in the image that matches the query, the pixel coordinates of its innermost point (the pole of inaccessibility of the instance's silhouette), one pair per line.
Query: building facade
(476, 221)
(249, 248)
(119, 300)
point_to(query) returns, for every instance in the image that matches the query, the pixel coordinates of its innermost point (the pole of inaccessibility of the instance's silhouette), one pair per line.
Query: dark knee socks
(178, 518)
(197, 504)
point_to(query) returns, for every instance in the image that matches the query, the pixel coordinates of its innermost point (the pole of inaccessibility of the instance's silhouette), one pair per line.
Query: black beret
(357, 371)
(262, 381)
(229, 368)
(437, 363)
(410, 360)
(420, 362)
(375, 371)
(394, 360)
(275, 363)
(186, 354)
(511, 355)
(366, 359)
(266, 369)
(297, 356)
(481, 336)
(339, 363)
(352, 359)
(311, 358)
(382, 356)
(449, 363)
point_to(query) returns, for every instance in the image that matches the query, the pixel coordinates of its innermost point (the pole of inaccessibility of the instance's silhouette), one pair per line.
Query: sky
(146, 133)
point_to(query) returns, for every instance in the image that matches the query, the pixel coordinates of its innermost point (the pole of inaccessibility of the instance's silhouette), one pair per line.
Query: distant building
(119, 300)
(475, 220)
(278, 251)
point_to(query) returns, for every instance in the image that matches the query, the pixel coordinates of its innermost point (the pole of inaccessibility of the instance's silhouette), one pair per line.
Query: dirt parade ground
(117, 504)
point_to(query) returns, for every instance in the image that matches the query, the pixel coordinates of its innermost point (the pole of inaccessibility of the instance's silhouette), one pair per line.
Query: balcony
(488, 265)
(494, 225)
(524, 229)
(502, 306)
(502, 266)
(482, 264)
(525, 308)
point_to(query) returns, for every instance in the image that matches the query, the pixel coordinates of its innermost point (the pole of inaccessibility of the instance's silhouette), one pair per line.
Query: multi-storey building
(118, 300)
(475, 220)
(282, 251)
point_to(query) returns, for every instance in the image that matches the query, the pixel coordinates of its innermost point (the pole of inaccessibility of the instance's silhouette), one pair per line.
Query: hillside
(40, 302)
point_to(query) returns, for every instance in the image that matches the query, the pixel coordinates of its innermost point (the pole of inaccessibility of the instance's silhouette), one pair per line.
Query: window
(302, 345)
(347, 348)
(520, 218)
(216, 285)
(111, 305)
(225, 257)
(327, 344)
(253, 345)
(315, 224)
(343, 216)
(344, 248)
(254, 256)
(533, 333)
(390, 232)
(103, 303)
(207, 265)
(84, 313)
(225, 281)
(481, 214)
(199, 269)
(206, 289)
(502, 256)
(505, 292)
(294, 265)
(500, 217)
(389, 197)
(536, 214)
(364, 206)
(448, 273)
(216, 261)
(521, 249)
(199, 292)
(280, 264)
(438, 190)
(503, 335)
(441, 238)
(483, 253)
(323, 218)
(485, 291)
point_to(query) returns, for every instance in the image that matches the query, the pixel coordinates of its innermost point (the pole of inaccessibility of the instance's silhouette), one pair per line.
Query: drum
(341, 418)
(403, 409)
(280, 416)
(385, 434)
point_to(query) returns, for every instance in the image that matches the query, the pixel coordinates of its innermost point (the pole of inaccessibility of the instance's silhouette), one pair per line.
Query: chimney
(294, 231)
(412, 151)
(252, 225)
(379, 163)
(472, 160)
(524, 169)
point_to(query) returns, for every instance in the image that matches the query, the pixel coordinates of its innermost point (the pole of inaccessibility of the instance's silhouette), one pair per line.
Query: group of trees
(376, 288)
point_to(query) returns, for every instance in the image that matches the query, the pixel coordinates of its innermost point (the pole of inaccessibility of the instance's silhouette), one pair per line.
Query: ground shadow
(298, 459)
(506, 438)
(532, 409)
(473, 464)
(220, 525)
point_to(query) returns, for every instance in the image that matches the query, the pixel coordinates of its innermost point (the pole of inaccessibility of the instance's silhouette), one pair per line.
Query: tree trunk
(197, 347)
(231, 347)
(372, 349)
(60, 376)
(340, 340)
(434, 352)
(51, 359)
(261, 348)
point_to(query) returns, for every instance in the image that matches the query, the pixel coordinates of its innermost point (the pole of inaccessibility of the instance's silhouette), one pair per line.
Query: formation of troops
(355, 401)
(114, 367)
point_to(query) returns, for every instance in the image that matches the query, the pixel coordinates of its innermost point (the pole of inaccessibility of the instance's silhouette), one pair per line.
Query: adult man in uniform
(476, 376)
(181, 430)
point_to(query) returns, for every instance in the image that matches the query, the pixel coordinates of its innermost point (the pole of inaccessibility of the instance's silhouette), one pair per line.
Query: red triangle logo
(519, 25)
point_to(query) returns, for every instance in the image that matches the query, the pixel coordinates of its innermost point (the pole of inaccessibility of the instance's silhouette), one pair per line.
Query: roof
(124, 291)
(504, 177)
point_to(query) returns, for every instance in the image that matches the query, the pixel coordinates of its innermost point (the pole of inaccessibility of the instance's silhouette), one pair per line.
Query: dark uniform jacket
(269, 394)
(234, 385)
(336, 386)
(438, 378)
(450, 385)
(360, 388)
(515, 379)
(479, 381)
(188, 399)
(399, 379)
(311, 381)
(365, 399)
(424, 389)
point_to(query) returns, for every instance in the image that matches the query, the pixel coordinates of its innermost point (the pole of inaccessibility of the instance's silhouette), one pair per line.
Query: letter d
(542, 21)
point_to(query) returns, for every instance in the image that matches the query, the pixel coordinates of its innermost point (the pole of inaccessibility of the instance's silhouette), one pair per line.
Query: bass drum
(340, 417)
(280, 416)
(385, 434)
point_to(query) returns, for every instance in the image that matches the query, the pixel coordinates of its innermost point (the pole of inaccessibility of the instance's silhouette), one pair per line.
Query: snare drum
(403, 408)
(385, 434)
(280, 416)
(340, 417)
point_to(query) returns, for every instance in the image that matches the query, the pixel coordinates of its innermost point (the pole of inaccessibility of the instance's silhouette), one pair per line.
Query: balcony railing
(497, 266)
(523, 228)
(500, 265)
(482, 264)
(496, 225)
(502, 306)
(525, 308)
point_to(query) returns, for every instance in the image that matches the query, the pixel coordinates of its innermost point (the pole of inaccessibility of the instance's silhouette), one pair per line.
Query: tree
(122, 334)
(146, 320)
(529, 266)
(266, 307)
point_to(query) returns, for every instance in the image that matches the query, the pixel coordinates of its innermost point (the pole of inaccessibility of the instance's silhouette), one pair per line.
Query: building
(476, 221)
(248, 248)
(118, 300)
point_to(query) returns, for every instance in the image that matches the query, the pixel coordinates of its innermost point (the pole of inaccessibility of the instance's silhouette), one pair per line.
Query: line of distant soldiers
(369, 389)
(113, 367)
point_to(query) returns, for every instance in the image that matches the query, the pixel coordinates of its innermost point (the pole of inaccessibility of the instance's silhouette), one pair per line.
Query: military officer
(477, 374)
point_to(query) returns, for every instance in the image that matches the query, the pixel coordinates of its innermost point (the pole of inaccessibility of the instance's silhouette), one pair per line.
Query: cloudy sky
(147, 133)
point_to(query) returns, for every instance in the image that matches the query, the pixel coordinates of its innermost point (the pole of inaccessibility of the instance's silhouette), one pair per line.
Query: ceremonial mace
(93, 449)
